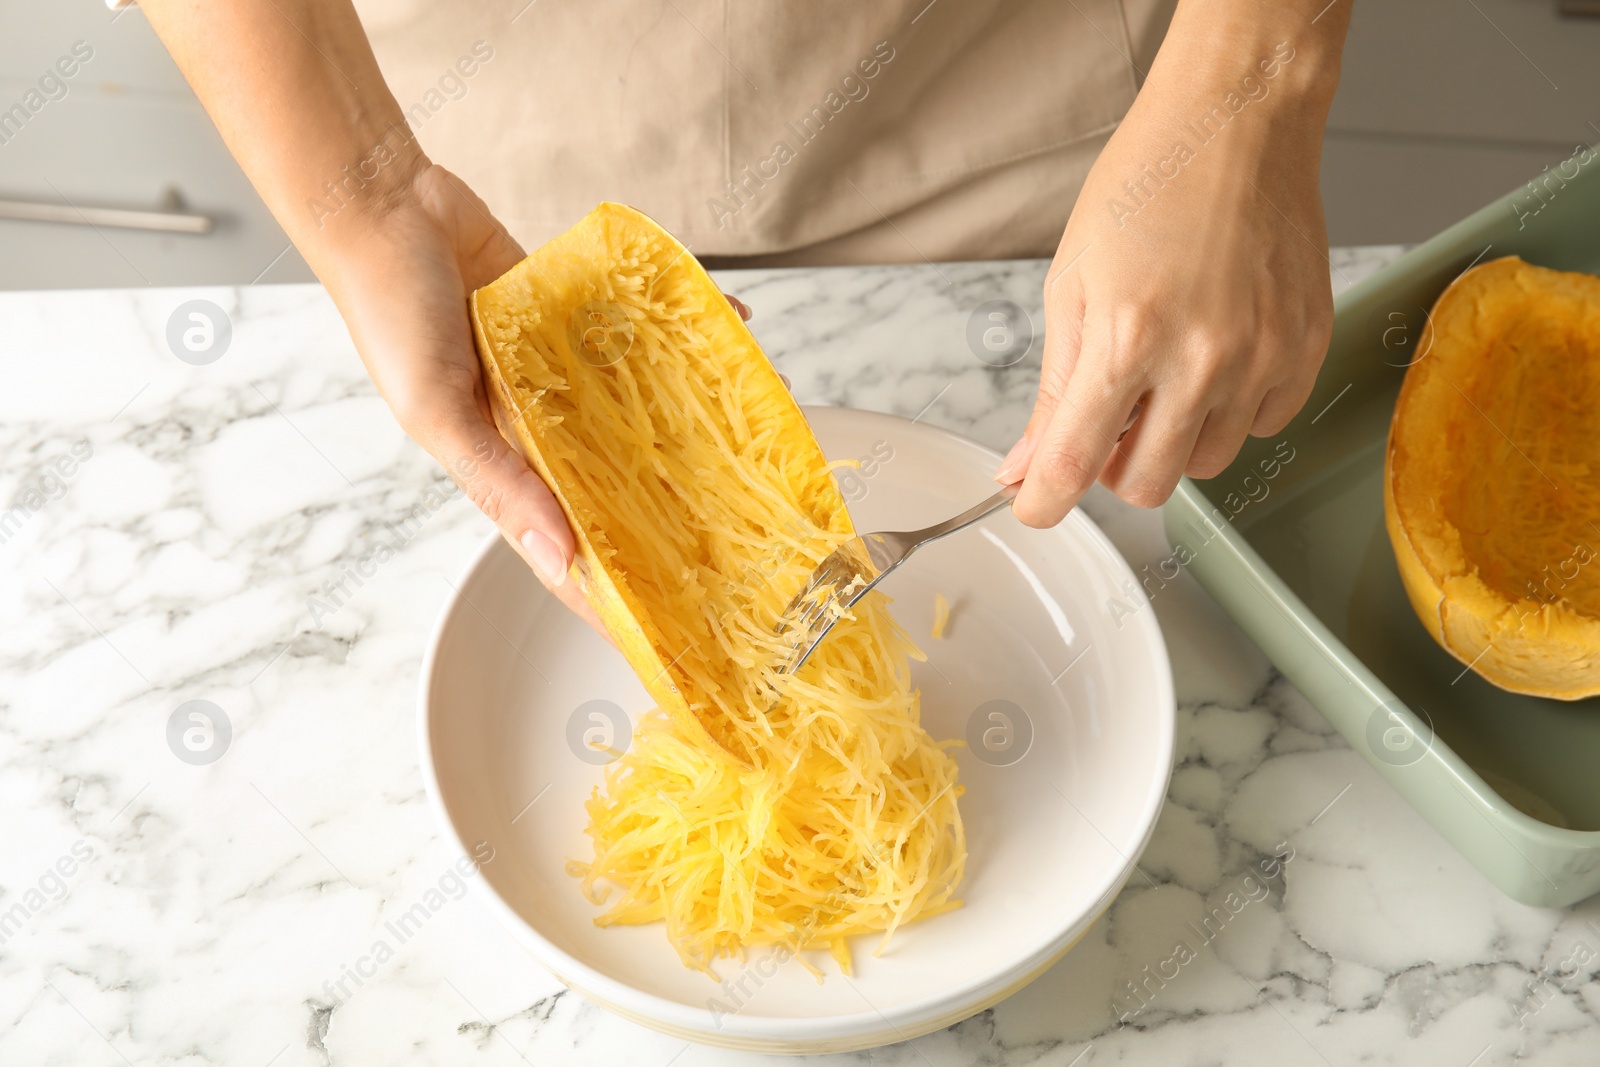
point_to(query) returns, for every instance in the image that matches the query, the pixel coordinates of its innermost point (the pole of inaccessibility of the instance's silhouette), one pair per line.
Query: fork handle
(966, 518)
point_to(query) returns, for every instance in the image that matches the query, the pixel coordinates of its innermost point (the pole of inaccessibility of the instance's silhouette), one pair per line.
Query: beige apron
(774, 133)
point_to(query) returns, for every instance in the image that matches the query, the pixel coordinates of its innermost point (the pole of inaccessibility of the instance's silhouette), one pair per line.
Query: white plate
(1053, 826)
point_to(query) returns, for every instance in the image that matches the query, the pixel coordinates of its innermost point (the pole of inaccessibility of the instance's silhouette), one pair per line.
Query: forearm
(1273, 61)
(297, 95)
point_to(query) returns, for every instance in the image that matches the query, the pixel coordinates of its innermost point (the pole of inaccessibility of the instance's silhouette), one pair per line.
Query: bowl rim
(596, 985)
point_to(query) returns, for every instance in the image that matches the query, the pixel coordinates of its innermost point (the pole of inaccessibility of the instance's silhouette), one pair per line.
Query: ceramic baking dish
(1290, 541)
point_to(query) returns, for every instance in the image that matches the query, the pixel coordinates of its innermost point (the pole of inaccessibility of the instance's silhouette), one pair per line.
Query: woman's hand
(403, 289)
(1188, 304)
(399, 242)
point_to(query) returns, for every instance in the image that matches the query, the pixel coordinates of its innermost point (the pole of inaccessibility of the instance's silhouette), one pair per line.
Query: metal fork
(852, 570)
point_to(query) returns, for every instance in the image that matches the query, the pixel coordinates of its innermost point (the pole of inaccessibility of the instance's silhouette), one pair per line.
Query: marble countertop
(168, 525)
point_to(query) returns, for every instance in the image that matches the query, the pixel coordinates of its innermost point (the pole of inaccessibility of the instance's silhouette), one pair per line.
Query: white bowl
(1054, 824)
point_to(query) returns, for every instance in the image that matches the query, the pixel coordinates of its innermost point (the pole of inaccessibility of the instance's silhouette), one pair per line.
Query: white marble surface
(210, 911)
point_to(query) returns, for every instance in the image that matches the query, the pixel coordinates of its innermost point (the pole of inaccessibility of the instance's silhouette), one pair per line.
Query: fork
(853, 569)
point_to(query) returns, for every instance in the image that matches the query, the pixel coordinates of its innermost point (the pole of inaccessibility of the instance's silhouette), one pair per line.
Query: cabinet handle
(164, 221)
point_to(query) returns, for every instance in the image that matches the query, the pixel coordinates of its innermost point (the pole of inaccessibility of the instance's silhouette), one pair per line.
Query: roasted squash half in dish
(1492, 477)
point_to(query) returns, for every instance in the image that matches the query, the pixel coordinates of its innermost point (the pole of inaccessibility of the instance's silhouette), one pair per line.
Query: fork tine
(849, 571)
(817, 607)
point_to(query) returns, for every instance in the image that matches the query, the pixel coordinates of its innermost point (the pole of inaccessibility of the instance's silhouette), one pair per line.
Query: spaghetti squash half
(752, 808)
(1489, 488)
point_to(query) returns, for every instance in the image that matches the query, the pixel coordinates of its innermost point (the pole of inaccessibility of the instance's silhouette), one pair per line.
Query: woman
(1187, 306)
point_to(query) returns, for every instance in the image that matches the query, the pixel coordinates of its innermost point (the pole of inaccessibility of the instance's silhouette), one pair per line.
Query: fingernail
(1019, 455)
(546, 556)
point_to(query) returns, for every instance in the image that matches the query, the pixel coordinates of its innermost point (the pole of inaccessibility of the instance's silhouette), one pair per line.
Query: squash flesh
(751, 810)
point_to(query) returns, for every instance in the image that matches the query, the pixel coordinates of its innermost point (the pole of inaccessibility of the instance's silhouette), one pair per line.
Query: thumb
(485, 247)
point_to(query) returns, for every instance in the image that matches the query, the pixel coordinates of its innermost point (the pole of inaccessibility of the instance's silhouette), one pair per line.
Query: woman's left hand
(1189, 303)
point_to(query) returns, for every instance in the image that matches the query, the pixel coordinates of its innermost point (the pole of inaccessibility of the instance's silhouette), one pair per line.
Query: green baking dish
(1290, 541)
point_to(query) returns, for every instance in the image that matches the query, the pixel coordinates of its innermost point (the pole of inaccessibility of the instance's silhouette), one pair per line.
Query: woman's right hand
(402, 287)
(403, 290)
(398, 241)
